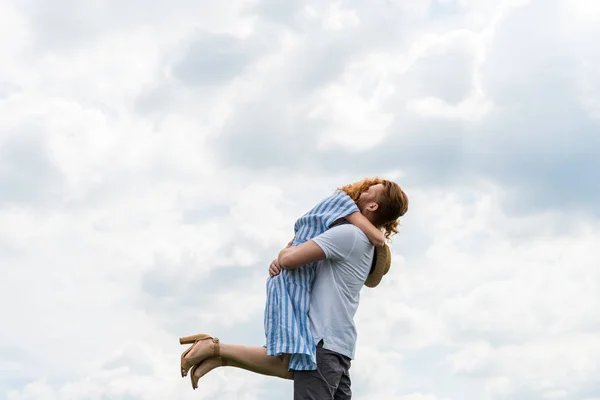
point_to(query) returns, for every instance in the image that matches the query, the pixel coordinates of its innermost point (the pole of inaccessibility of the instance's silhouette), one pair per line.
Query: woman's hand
(290, 243)
(274, 268)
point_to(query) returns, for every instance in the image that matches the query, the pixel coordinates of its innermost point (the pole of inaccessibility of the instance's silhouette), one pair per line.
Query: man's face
(370, 196)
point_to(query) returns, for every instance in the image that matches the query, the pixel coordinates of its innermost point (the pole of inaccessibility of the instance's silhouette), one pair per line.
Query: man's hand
(274, 268)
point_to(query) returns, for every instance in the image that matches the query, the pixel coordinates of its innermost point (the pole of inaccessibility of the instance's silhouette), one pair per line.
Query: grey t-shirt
(336, 290)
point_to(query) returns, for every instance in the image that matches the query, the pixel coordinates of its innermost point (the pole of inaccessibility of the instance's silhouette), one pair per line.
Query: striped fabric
(288, 294)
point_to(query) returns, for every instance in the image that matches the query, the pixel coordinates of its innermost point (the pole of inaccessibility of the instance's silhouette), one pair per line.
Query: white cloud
(471, 109)
(120, 377)
(334, 16)
(418, 396)
(141, 199)
(353, 106)
(586, 9)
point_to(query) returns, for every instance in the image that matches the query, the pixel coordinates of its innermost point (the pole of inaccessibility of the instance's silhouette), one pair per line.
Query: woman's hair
(393, 203)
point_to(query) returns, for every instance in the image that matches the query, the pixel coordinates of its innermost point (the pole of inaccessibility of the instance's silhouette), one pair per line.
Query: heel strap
(217, 351)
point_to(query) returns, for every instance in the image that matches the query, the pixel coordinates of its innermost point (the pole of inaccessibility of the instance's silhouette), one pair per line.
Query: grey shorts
(330, 381)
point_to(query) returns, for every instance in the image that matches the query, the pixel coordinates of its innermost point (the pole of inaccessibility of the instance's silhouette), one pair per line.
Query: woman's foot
(200, 351)
(204, 367)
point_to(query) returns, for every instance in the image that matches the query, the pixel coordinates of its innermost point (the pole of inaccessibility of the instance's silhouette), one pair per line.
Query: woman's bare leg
(250, 358)
(255, 359)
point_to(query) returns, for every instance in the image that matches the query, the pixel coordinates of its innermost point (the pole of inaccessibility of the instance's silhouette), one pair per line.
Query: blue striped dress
(287, 327)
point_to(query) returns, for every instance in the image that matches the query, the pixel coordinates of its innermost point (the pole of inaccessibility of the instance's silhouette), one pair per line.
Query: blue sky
(154, 156)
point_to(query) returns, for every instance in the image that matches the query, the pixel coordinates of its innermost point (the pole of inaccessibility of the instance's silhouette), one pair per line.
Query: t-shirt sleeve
(340, 205)
(338, 242)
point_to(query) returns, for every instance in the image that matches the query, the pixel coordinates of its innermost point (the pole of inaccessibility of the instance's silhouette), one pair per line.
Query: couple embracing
(313, 292)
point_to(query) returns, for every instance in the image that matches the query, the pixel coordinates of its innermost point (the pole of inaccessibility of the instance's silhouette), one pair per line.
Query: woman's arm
(374, 234)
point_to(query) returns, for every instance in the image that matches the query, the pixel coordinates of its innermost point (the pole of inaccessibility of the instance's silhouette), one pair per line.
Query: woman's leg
(253, 359)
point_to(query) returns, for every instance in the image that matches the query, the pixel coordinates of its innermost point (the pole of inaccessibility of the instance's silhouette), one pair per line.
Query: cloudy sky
(155, 154)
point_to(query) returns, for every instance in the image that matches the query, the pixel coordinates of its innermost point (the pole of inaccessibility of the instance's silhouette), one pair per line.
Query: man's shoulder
(343, 242)
(348, 231)
(343, 235)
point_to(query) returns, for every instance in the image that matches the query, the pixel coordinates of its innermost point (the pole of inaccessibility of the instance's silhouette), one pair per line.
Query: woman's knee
(284, 364)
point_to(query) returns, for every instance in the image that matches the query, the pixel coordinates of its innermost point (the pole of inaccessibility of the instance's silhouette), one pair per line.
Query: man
(346, 257)
(347, 260)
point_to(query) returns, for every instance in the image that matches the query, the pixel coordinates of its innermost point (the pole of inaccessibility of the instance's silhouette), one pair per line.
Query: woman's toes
(205, 367)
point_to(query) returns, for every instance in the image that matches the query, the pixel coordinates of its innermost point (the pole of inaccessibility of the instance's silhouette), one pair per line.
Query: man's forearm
(297, 256)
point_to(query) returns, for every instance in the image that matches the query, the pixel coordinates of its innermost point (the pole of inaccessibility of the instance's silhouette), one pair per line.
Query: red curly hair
(393, 202)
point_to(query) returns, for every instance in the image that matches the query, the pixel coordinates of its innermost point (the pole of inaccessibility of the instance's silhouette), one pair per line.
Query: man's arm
(335, 243)
(306, 253)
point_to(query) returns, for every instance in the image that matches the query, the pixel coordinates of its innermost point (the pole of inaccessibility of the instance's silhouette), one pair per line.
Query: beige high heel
(194, 339)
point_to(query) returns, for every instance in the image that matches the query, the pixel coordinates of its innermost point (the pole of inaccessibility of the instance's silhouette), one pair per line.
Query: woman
(290, 345)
